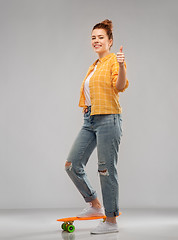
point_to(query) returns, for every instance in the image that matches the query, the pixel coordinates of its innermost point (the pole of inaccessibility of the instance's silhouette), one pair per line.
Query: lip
(97, 46)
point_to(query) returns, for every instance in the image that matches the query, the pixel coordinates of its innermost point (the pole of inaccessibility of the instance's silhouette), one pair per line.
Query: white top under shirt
(86, 88)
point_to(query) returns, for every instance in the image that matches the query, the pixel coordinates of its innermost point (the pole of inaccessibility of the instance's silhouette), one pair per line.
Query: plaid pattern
(103, 92)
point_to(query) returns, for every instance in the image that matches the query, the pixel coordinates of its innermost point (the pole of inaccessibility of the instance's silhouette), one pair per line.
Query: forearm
(121, 80)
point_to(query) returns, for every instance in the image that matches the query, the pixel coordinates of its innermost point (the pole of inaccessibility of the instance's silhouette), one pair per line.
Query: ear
(110, 42)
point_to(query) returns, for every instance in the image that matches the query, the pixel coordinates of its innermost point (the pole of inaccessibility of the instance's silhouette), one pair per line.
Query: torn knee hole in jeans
(104, 172)
(68, 166)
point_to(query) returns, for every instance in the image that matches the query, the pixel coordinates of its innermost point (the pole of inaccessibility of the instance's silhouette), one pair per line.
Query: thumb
(121, 47)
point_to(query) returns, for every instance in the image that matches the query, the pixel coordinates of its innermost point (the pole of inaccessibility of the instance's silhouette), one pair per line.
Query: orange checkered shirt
(103, 92)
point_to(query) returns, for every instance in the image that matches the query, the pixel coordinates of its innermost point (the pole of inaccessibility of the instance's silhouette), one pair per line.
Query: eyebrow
(98, 35)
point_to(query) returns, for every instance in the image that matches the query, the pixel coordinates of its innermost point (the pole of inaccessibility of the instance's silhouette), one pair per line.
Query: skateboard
(68, 226)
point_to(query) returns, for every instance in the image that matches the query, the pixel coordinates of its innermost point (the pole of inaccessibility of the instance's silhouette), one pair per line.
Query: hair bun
(108, 23)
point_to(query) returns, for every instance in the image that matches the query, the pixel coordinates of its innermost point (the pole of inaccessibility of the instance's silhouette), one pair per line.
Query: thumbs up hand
(120, 57)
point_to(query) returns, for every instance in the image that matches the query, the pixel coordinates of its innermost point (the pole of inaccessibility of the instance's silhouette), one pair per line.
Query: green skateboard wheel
(63, 226)
(70, 228)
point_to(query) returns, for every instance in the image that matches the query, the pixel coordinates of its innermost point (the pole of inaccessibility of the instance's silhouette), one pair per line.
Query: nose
(96, 41)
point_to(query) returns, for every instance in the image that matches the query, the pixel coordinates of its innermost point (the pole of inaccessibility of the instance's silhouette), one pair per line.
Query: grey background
(45, 53)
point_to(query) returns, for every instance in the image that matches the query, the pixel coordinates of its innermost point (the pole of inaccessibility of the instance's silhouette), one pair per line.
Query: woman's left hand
(120, 57)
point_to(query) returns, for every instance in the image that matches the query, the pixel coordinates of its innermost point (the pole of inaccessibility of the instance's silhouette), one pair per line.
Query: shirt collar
(103, 58)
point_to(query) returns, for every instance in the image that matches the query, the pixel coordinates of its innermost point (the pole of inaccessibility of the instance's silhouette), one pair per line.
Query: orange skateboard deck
(68, 226)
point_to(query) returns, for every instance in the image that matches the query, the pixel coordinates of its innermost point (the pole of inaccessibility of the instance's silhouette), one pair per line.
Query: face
(100, 42)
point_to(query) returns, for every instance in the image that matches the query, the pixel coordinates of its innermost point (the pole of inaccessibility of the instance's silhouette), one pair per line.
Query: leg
(77, 160)
(108, 139)
(96, 203)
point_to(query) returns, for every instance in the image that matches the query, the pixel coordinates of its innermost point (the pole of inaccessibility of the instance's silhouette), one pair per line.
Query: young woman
(99, 97)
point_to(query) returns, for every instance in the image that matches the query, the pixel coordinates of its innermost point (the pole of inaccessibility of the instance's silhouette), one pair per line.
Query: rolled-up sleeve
(114, 76)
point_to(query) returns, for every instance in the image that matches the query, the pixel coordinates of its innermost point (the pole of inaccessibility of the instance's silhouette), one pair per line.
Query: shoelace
(85, 210)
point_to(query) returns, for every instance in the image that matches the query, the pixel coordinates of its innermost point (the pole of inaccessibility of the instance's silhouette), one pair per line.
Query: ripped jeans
(104, 132)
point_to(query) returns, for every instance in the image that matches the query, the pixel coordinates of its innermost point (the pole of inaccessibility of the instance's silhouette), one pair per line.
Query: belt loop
(87, 109)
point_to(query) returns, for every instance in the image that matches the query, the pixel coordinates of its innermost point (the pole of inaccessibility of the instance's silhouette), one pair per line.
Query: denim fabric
(104, 132)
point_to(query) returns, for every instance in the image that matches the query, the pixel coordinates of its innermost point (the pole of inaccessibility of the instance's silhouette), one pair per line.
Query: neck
(101, 55)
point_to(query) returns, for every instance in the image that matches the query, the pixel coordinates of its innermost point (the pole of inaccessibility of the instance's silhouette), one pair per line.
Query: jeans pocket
(118, 122)
(121, 129)
(86, 115)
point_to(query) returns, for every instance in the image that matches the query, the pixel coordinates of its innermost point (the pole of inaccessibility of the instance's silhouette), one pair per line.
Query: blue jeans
(104, 132)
